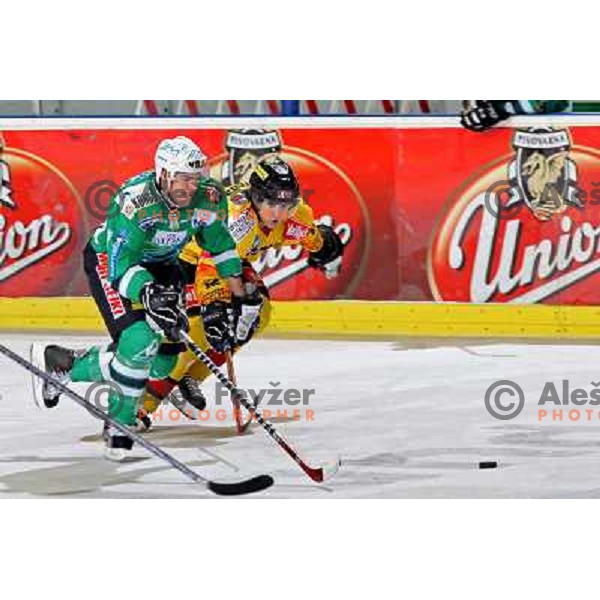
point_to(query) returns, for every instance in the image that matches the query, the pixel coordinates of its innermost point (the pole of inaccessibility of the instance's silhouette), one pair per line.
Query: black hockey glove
(164, 310)
(483, 115)
(246, 315)
(329, 258)
(217, 319)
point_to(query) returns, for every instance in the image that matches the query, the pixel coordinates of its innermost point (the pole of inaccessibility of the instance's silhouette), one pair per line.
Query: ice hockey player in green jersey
(131, 262)
(481, 115)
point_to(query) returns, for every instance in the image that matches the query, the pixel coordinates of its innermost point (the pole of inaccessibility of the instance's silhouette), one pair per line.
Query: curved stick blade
(326, 472)
(249, 486)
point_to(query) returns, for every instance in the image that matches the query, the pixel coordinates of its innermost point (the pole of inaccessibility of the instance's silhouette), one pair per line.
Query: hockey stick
(237, 411)
(254, 484)
(317, 474)
(241, 427)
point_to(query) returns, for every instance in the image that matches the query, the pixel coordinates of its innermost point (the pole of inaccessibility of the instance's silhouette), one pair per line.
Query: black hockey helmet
(273, 181)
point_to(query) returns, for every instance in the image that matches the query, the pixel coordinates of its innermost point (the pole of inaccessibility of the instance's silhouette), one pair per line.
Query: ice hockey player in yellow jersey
(266, 213)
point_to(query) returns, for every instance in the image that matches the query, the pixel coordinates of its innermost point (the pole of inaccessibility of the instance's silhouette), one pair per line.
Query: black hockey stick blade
(254, 484)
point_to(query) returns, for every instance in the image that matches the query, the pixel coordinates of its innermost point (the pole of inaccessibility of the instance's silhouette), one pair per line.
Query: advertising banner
(56, 186)
(509, 217)
(426, 214)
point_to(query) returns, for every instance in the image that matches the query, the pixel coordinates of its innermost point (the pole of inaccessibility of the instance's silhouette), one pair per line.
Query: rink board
(345, 318)
(427, 211)
(425, 254)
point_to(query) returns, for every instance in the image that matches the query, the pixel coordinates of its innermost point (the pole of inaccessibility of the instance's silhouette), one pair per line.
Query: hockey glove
(217, 319)
(246, 315)
(164, 310)
(483, 115)
(329, 258)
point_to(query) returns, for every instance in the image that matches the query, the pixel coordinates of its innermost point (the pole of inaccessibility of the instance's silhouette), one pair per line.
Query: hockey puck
(488, 464)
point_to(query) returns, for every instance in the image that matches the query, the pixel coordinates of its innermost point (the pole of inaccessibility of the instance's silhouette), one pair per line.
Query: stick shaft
(235, 392)
(237, 411)
(157, 451)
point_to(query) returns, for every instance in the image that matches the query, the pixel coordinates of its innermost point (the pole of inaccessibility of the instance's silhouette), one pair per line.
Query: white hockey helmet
(179, 155)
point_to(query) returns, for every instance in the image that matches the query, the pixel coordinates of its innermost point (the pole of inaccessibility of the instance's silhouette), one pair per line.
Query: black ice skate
(118, 446)
(57, 362)
(188, 397)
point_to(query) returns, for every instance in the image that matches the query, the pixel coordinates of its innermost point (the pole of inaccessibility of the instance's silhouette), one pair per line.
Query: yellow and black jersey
(251, 240)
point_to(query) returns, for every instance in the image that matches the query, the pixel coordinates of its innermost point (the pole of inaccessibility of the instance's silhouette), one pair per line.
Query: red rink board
(411, 204)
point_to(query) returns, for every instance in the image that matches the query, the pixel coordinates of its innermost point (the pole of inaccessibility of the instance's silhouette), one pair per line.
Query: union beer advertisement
(425, 214)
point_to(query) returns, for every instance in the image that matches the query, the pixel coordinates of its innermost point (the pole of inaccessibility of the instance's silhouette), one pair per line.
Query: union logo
(39, 213)
(525, 229)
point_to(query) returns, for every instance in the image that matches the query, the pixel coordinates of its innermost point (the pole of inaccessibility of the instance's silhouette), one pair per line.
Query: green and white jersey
(140, 229)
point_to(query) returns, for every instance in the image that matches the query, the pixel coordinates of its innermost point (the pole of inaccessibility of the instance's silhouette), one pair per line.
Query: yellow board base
(345, 319)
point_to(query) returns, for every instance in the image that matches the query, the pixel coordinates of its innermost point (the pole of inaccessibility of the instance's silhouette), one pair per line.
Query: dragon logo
(542, 175)
(245, 149)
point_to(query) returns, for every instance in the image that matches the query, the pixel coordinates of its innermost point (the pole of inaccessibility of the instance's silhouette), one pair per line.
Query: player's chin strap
(254, 484)
(317, 474)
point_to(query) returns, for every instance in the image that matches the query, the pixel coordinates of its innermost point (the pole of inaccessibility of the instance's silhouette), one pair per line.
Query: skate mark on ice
(378, 469)
(384, 459)
(472, 352)
(555, 438)
(372, 479)
(577, 494)
(505, 450)
(418, 460)
(218, 458)
(297, 489)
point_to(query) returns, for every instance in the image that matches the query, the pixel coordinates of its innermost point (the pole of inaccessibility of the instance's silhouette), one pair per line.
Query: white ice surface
(408, 420)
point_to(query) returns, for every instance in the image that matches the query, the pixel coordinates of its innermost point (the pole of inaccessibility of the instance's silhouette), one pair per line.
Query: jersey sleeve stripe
(104, 359)
(127, 279)
(128, 371)
(228, 255)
